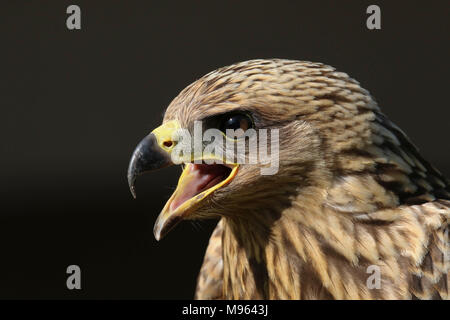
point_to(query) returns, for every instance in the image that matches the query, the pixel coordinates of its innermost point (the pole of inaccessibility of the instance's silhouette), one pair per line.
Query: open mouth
(202, 177)
(196, 182)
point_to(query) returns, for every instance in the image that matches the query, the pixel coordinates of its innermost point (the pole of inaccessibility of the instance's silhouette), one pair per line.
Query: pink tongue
(199, 177)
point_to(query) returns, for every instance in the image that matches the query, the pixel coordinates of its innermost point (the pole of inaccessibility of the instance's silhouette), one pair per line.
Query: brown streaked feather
(210, 278)
(352, 191)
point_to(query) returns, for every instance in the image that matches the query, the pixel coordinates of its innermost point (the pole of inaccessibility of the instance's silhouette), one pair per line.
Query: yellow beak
(196, 183)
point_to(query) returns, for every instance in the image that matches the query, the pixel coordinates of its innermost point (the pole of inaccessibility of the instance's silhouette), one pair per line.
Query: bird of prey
(352, 194)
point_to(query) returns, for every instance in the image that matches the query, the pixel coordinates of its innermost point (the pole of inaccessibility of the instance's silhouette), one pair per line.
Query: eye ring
(236, 121)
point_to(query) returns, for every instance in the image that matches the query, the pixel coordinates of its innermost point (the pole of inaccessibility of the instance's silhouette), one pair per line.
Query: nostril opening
(167, 144)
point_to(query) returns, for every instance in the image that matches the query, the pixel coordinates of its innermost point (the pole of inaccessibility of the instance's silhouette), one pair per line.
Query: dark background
(75, 103)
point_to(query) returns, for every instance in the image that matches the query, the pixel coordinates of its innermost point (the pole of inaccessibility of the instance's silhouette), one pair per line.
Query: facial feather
(351, 190)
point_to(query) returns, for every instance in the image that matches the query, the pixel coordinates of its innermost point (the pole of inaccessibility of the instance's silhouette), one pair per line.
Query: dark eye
(236, 121)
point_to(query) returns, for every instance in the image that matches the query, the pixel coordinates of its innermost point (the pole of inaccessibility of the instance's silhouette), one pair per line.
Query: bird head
(299, 114)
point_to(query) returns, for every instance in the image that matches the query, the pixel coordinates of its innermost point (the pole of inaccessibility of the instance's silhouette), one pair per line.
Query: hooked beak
(147, 156)
(196, 182)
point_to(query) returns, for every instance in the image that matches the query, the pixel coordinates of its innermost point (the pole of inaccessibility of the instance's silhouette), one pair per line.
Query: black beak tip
(131, 176)
(132, 190)
(146, 157)
(131, 179)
